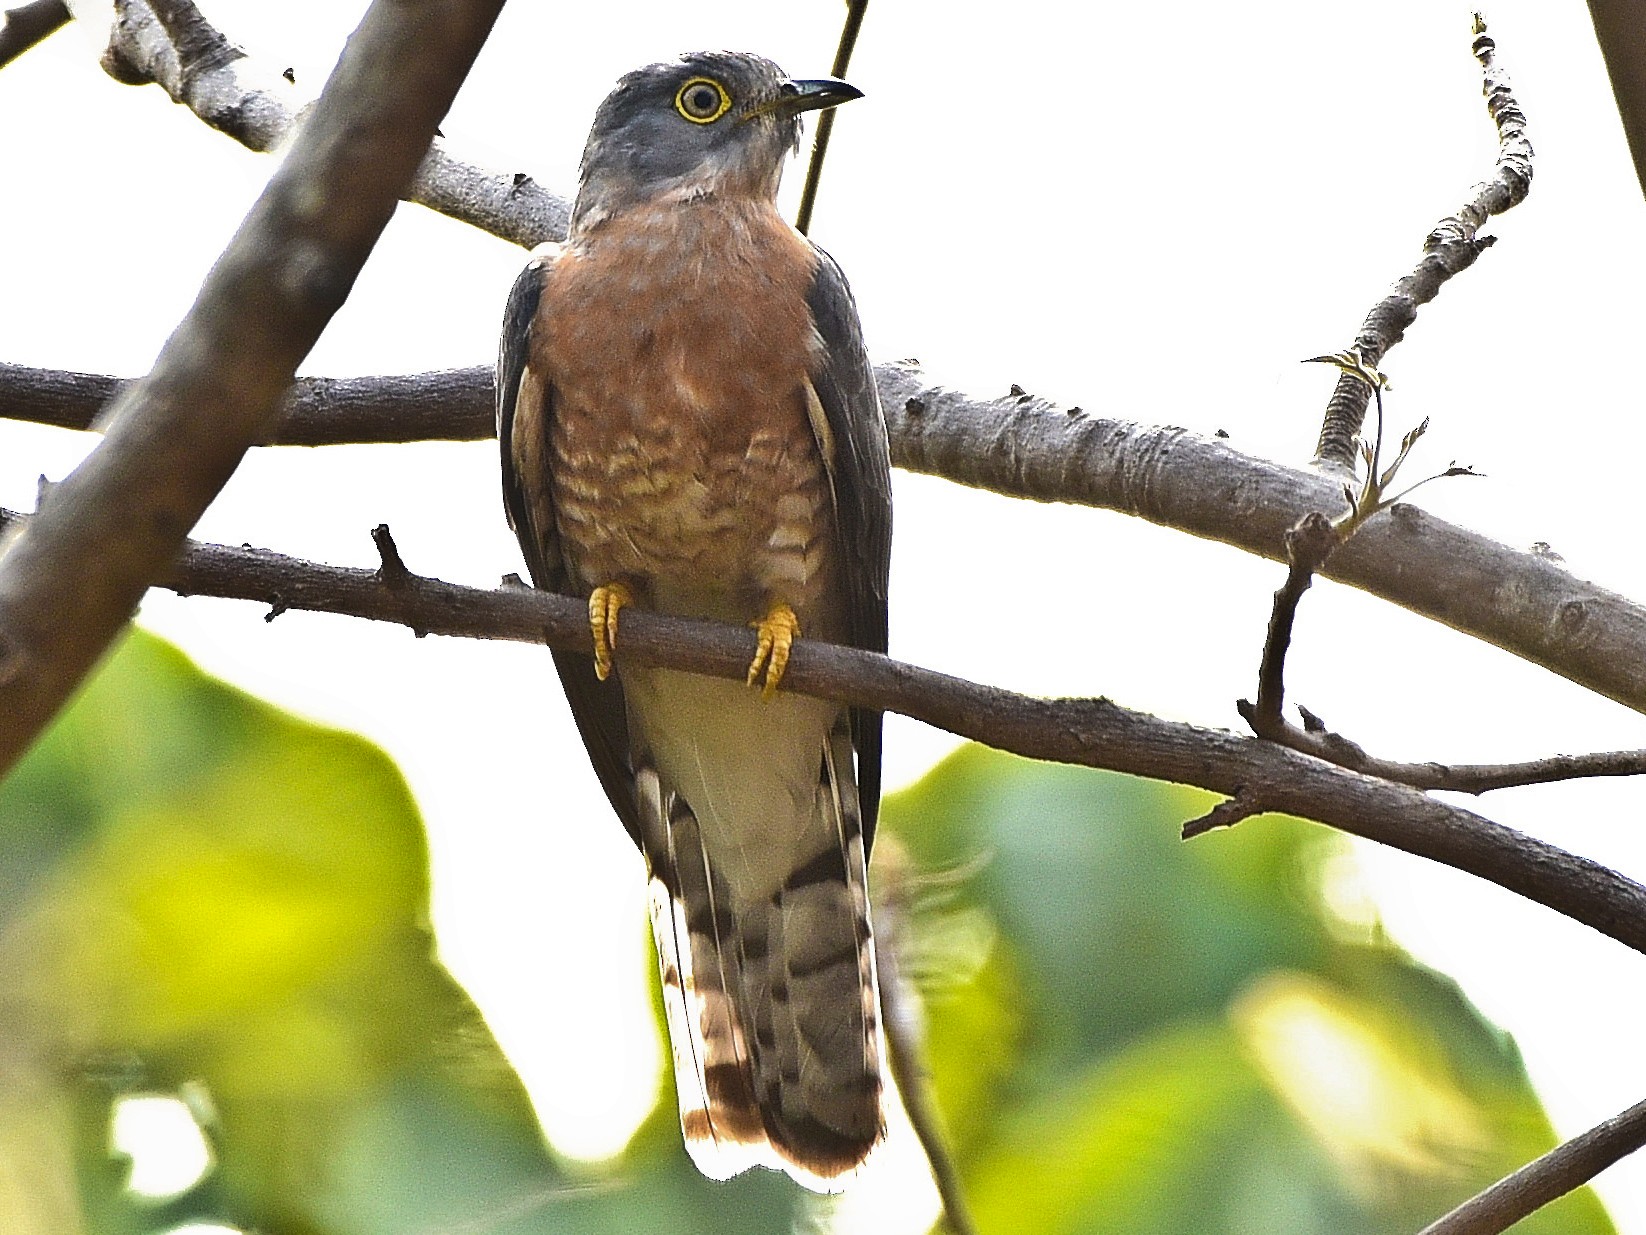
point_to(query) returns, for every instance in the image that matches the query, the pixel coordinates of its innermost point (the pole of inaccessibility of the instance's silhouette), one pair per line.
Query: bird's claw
(777, 634)
(604, 605)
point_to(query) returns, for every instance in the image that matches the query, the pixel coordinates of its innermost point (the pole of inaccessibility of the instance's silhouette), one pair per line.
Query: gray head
(710, 123)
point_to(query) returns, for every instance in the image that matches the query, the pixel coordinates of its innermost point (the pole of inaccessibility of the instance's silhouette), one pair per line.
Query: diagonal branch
(1450, 248)
(169, 43)
(1618, 24)
(27, 24)
(1087, 732)
(1561, 1170)
(72, 578)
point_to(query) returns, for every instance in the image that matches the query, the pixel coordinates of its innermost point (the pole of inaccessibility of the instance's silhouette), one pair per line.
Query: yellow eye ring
(702, 100)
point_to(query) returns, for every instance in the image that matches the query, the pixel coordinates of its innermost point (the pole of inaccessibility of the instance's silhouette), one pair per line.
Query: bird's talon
(604, 605)
(778, 630)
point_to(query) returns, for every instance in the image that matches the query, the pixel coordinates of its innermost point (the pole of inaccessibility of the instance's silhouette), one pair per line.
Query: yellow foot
(777, 633)
(604, 605)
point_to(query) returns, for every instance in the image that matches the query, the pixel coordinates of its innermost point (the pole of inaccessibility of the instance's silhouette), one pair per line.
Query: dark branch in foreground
(1618, 24)
(1451, 247)
(1088, 732)
(27, 24)
(1556, 1173)
(72, 578)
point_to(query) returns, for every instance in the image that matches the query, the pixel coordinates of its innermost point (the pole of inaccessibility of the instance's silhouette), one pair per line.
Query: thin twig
(1087, 732)
(825, 123)
(1451, 247)
(1308, 545)
(73, 577)
(900, 1018)
(1556, 1173)
(27, 24)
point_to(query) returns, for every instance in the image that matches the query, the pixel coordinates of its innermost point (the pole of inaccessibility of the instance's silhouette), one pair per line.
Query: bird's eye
(702, 100)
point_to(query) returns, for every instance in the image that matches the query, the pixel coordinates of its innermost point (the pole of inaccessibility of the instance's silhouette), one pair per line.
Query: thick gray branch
(1028, 447)
(72, 579)
(169, 43)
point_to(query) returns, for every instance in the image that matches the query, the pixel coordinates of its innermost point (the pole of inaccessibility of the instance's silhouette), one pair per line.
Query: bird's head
(707, 124)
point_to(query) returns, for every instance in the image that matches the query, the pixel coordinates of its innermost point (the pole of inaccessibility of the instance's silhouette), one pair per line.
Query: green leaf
(206, 889)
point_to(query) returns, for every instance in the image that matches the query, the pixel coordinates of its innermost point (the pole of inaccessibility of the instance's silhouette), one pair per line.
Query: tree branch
(1451, 247)
(1028, 447)
(1556, 1173)
(235, 94)
(1618, 24)
(27, 24)
(74, 575)
(1087, 732)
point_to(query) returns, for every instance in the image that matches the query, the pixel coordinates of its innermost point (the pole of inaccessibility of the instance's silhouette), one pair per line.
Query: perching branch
(72, 578)
(1029, 447)
(1563, 1169)
(169, 43)
(1452, 246)
(1086, 732)
(27, 24)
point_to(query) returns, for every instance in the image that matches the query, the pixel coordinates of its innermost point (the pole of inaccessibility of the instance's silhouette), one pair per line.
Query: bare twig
(1556, 1173)
(169, 43)
(391, 567)
(1088, 732)
(1308, 545)
(902, 1022)
(825, 123)
(74, 575)
(1523, 601)
(27, 24)
(1451, 247)
(1241, 806)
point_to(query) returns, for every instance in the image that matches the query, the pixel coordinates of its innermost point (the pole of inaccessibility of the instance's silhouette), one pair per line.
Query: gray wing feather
(597, 707)
(844, 381)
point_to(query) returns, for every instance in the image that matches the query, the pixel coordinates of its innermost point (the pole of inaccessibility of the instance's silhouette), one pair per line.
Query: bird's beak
(809, 94)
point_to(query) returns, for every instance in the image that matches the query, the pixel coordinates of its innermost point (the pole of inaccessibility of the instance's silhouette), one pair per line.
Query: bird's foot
(604, 605)
(777, 634)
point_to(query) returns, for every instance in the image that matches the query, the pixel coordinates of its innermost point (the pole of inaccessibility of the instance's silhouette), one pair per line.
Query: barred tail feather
(772, 1003)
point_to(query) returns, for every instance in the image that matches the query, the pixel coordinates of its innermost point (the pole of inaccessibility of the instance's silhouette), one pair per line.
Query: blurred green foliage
(1158, 1037)
(202, 895)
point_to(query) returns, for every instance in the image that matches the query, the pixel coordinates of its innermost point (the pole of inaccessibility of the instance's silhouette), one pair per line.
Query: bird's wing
(525, 415)
(853, 442)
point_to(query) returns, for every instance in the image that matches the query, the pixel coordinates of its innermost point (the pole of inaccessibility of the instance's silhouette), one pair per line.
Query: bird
(688, 424)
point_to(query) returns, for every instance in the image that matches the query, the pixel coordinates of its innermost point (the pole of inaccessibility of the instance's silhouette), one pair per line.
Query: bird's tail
(772, 1002)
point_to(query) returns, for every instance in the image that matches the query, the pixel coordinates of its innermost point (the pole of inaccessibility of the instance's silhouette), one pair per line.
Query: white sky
(1153, 211)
